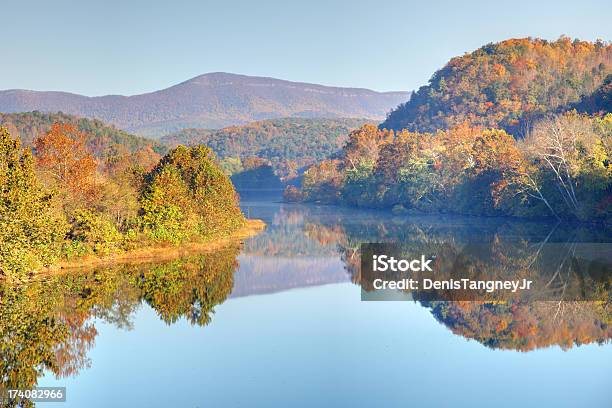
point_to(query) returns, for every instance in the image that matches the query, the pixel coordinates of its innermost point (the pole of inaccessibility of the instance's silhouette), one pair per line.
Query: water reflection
(50, 324)
(504, 249)
(527, 326)
(47, 325)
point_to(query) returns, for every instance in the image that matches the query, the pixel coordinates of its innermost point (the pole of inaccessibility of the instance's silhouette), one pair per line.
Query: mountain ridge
(212, 100)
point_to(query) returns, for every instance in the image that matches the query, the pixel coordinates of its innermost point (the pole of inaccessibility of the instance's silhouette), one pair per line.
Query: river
(280, 322)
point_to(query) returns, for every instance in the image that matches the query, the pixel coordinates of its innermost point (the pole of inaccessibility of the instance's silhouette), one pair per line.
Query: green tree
(31, 230)
(187, 196)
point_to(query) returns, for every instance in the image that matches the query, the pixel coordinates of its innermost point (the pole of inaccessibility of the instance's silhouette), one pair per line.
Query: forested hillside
(27, 126)
(520, 128)
(286, 144)
(506, 85)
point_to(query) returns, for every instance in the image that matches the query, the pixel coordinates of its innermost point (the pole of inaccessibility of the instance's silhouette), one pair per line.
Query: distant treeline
(100, 137)
(287, 144)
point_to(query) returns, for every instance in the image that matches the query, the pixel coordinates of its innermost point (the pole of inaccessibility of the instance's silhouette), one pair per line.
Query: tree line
(286, 145)
(561, 169)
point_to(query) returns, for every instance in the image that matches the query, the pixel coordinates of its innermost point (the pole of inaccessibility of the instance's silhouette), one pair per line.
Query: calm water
(279, 322)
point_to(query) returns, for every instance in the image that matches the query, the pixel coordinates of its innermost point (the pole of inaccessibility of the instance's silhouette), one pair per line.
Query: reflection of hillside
(48, 325)
(287, 255)
(286, 237)
(527, 326)
(502, 249)
(258, 274)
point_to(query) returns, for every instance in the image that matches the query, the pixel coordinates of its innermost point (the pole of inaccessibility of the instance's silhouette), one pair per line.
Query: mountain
(210, 101)
(281, 141)
(26, 126)
(507, 84)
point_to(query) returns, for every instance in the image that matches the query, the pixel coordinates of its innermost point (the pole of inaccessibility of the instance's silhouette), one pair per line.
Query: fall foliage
(61, 153)
(99, 137)
(561, 169)
(506, 85)
(186, 195)
(287, 144)
(64, 202)
(31, 227)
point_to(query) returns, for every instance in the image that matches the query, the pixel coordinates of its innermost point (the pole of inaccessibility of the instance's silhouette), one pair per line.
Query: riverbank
(156, 253)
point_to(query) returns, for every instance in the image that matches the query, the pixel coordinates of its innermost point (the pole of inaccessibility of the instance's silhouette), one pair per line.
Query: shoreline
(148, 254)
(387, 211)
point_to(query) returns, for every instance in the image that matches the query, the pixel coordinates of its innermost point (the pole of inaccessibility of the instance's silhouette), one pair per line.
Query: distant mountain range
(212, 100)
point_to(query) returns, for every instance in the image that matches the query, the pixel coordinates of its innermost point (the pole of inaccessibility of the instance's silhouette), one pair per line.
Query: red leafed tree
(62, 154)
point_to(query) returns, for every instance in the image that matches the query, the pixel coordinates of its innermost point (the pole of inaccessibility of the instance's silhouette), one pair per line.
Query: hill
(26, 126)
(286, 142)
(507, 85)
(210, 101)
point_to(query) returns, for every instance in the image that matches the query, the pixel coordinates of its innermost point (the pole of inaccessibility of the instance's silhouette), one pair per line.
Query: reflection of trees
(503, 250)
(286, 236)
(71, 353)
(29, 331)
(48, 325)
(527, 326)
(190, 287)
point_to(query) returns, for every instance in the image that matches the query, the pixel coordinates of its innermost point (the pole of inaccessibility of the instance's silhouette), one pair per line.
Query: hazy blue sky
(128, 47)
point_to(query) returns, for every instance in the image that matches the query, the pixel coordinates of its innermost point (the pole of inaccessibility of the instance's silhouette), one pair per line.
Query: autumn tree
(323, 182)
(62, 154)
(572, 151)
(363, 147)
(122, 181)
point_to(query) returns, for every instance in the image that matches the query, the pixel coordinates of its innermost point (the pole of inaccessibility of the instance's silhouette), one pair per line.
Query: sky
(130, 47)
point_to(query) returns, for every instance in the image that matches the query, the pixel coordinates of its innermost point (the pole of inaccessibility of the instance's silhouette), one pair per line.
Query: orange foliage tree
(63, 155)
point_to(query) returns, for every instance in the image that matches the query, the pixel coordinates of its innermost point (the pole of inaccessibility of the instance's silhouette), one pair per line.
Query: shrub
(96, 231)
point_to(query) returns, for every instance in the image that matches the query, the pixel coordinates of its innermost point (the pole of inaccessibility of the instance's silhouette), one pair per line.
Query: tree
(62, 154)
(187, 196)
(572, 153)
(31, 229)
